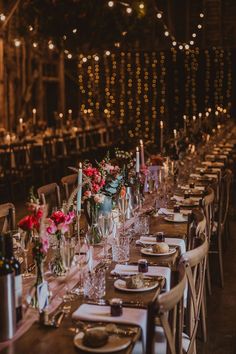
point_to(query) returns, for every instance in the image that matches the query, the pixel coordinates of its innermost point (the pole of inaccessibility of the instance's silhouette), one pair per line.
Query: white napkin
(169, 240)
(131, 316)
(129, 269)
(188, 200)
(165, 211)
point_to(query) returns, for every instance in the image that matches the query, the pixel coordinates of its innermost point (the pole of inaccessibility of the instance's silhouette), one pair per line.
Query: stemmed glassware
(67, 250)
(82, 260)
(123, 204)
(25, 239)
(106, 224)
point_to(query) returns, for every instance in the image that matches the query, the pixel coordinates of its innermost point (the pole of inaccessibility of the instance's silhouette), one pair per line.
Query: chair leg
(203, 318)
(220, 259)
(208, 277)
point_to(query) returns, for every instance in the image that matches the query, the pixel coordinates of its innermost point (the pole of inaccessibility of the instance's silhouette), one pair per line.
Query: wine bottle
(15, 264)
(7, 296)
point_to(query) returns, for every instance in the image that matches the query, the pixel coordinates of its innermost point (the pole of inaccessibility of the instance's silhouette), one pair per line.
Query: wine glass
(67, 250)
(106, 224)
(25, 239)
(81, 260)
(123, 204)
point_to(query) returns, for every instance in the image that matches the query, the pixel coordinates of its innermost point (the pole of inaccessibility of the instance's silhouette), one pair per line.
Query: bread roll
(95, 338)
(160, 247)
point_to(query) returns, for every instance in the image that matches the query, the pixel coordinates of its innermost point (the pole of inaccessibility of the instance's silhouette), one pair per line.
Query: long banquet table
(39, 339)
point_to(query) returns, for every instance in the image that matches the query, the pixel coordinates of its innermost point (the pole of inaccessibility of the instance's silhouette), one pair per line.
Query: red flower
(58, 217)
(28, 223)
(39, 213)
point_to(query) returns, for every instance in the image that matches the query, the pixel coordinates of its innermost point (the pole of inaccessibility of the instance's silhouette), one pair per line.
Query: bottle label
(18, 290)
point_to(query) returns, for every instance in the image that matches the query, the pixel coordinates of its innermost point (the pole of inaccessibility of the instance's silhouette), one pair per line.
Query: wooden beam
(3, 122)
(11, 13)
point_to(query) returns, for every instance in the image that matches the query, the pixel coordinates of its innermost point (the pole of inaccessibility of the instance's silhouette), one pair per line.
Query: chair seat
(160, 343)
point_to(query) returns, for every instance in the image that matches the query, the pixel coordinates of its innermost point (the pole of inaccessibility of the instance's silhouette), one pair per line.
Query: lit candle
(161, 135)
(142, 153)
(79, 193)
(200, 119)
(137, 160)
(21, 124)
(34, 111)
(69, 113)
(185, 124)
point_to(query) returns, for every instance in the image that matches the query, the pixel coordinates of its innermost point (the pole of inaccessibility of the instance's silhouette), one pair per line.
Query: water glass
(95, 284)
(141, 227)
(120, 249)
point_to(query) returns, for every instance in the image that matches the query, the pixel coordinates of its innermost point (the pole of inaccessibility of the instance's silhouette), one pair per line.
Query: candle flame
(34, 110)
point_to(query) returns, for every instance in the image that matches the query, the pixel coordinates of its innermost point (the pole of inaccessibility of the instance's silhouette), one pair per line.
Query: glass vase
(56, 264)
(39, 264)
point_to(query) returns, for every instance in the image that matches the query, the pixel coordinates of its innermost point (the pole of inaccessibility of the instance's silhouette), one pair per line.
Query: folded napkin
(164, 211)
(131, 316)
(153, 271)
(169, 240)
(188, 200)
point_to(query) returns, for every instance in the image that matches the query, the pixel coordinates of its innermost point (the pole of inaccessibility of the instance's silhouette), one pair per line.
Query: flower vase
(39, 280)
(56, 264)
(92, 212)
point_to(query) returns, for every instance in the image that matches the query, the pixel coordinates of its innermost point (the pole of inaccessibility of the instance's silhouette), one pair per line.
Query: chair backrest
(196, 226)
(169, 308)
(7, 217)
(50, 194)
(225, 188)
(194, 262)
(208, 208)
(69, 182)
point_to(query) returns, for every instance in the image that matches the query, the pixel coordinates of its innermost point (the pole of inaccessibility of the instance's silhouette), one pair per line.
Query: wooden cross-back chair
(194, 262)
(50, 194)
(208, 203)
(168, 307)
(7, 217)
(69, 183)
(196, 226)
(220, 223)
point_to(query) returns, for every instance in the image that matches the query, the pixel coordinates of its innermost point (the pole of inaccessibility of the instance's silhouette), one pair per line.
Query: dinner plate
(148, 252)
(121, 285)
(114, 344)
(171, 219)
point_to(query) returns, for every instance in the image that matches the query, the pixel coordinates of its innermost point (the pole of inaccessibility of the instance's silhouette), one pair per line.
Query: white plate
(170, 219)
(121, 285)
(114, 344)
(148, 252)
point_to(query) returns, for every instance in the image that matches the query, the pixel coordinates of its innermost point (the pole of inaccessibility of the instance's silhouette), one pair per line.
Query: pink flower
(99, 198)
(63, 228)
(87, 194)
(51, 229)
(70, 217)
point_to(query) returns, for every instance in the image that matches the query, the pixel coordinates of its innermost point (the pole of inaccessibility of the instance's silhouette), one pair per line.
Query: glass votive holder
(176, 209)
(95, 285)
(120, 249)
(142, 266)
(116, 307)
(160, 237)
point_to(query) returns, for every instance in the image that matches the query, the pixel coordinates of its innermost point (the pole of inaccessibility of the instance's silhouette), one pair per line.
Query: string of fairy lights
(132, 88)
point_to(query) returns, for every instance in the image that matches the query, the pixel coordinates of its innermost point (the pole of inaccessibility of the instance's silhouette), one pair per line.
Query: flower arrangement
(59, 223)
(56, 226)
